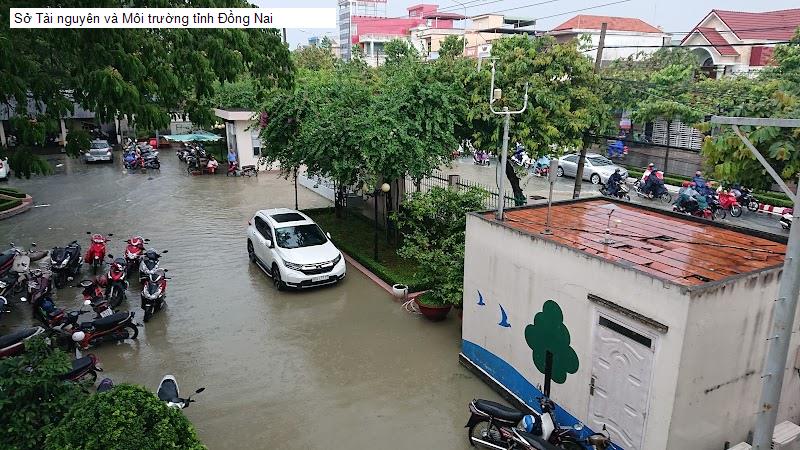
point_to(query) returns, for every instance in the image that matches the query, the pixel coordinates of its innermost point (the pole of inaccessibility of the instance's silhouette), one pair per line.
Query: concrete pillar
(2, 134)
(372, 49)
(720, 71)
(63, 141)
(116, 128)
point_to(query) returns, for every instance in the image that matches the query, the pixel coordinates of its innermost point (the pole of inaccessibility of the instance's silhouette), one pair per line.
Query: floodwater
(334, 368)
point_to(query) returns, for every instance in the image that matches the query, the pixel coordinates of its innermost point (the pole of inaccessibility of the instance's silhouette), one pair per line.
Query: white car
(289, 247)
(597, 168)
(5, 171)
(100, 150)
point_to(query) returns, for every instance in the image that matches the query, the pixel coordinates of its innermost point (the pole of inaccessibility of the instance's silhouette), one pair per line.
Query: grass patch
(8, 204)
(11, 192)
(354, 233)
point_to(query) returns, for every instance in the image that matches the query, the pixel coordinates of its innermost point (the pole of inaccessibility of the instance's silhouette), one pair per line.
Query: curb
(774, 210)
(27, 203)
(377, 280)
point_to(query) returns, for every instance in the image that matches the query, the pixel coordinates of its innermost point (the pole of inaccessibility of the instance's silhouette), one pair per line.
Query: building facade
(653, 334)
(734, 42)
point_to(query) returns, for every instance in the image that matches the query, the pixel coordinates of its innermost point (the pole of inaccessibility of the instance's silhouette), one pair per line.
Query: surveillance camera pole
(501, 197)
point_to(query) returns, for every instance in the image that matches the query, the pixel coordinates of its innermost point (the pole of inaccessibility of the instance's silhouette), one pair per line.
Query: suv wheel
(251, 254)
(276, 278)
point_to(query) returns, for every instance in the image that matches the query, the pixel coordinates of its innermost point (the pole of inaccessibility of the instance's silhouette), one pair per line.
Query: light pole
(382, 188)
(494, 95)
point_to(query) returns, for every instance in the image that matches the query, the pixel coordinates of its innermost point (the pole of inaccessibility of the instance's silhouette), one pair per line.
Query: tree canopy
(146, 74)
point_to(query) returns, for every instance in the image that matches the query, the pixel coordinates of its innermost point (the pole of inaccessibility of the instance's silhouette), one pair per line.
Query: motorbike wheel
(719, 214)
(148, 313)
(736, 210)
(627, 197)
(666, 197)
(133, 331)
(484, 431)
(753, 206)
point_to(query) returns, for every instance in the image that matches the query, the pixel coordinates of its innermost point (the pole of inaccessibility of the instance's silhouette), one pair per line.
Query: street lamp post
(494, 95)
(464, 52)
(382, 188)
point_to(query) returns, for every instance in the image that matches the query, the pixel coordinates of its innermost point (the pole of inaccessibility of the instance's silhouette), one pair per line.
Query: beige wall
(521, 272)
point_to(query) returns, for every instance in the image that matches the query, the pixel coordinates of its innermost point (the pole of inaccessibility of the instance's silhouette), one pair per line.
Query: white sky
(671, 15)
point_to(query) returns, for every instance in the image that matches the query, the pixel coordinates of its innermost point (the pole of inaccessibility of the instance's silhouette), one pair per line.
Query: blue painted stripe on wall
(514, 382)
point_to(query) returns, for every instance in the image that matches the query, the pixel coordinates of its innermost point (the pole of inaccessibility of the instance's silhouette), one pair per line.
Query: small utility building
(657, 329)
(241, 133)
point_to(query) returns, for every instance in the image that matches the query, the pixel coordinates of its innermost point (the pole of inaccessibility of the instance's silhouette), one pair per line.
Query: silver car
(100, 150)
(597, 168)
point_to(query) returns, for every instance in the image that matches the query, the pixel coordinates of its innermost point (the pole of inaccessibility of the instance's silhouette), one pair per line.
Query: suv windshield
(599, 161)
(299, 236)
(99, 144)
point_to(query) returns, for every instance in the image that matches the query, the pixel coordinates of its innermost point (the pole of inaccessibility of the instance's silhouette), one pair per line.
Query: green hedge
(11, 192)
(353, 234)
(8, 204)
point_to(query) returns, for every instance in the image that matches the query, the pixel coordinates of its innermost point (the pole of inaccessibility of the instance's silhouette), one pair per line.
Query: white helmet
(78, 336)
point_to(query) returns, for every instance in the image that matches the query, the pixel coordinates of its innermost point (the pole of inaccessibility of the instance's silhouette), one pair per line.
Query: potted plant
(433, 225)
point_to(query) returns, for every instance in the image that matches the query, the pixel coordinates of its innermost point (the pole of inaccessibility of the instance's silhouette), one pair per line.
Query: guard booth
(656, 322)
(241, 132)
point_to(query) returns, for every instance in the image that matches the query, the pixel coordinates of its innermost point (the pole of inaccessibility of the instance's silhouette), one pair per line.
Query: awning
(199, 136)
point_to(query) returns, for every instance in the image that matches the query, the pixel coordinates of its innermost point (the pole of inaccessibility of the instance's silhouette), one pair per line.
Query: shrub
(125, 418)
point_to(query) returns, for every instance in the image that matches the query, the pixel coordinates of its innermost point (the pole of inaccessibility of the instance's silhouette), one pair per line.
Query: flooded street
(333, 368)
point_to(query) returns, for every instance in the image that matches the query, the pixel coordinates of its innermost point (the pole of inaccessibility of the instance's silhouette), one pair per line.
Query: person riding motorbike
(612, 185)
(701, 185)
(654, 183)
(647, 172)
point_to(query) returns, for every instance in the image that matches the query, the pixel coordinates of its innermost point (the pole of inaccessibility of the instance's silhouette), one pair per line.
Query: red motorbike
(134, 252)
(96, 252)
(83, 368)
(116, 327)
(94, 292)
(117, 281)
(729, 202)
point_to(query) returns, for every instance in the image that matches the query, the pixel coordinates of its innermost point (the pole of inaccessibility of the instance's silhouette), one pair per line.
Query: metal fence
(440, 179)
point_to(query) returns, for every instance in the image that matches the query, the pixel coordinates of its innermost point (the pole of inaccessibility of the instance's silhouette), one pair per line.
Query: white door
(622, 362)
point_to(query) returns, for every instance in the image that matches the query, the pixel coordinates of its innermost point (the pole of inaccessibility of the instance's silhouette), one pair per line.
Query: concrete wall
(719, 385)
(521, 272)
(681, 162)
(616, 39)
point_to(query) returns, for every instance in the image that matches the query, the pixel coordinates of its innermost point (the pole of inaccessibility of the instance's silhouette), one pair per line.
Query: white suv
(289, 247)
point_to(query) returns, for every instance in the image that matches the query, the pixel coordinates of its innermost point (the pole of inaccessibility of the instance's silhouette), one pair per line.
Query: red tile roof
(714, 38)
(761, 56)
(681, 251)
(586, 22)
(769, 25)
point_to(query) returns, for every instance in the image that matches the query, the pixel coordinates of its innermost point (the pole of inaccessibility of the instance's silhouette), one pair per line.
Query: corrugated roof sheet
(719, 42)
(670, 248)
(588, 22)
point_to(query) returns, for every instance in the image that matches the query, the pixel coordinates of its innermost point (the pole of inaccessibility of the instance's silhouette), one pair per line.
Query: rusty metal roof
(667, 246)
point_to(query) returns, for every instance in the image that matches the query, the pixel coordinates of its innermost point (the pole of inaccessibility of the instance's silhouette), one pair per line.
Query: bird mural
(504, 318)
(480, 299)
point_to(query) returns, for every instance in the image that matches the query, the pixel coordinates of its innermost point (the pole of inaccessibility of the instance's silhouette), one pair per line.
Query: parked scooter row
(140, 156)
(495, 426)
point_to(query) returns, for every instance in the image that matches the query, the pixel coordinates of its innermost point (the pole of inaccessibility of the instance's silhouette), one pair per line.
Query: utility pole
(785, 306)
(494, 95)
(284, 37)
(576, 191)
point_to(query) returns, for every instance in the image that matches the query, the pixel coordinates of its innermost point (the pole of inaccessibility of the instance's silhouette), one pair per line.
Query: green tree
(126, 418)
(33, 398)
(243, 93)
(314, 58)
(434, 226)
(451, 47)
(564, 102)
(548, 334)
(398, 51)
(146, 74)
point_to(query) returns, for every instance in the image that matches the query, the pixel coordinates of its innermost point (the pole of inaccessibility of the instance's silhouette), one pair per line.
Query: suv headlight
(293, 266)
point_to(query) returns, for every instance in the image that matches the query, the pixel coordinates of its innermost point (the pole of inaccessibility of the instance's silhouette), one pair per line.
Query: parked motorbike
(691, 207)
(149, 264)
(84, 367)
(116, 327)
(117, 281)
(96, 252)
(94, 291)
(150, 160)
(622, 191)
(521, 157)
(39, 285)
(541, 167)
(728, 201)
(168, 392)
(746, 198)
(786, 221)
(16, 263)
(130, 160)
(13, 344)
(485, 421)
(154, 291)
(480, 157)
(134, 252)
(65, 263)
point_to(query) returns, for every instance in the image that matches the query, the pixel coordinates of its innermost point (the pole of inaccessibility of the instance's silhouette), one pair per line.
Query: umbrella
(198, 136)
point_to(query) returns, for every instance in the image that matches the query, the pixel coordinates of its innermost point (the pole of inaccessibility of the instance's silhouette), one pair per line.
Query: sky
(671, 15)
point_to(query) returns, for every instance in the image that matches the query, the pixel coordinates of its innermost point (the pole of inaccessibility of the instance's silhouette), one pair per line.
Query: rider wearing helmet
(647, 172)
(612, 185)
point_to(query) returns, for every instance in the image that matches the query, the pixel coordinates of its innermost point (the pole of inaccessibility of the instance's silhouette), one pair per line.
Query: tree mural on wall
(549, 340)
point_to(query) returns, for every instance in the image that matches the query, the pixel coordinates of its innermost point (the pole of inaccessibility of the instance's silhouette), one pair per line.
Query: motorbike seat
(78, 366)
(536, 441)
(6, 259)
(499, 411)
(107, 322)
(17, 337)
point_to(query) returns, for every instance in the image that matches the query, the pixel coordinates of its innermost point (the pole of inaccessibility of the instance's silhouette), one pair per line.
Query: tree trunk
(576, 190)
(338, 202)
(519, 196)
